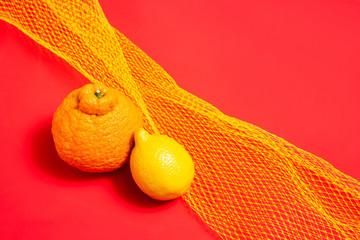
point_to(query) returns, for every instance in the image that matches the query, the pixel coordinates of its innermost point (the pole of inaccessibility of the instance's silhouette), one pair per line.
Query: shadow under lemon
(48, 161)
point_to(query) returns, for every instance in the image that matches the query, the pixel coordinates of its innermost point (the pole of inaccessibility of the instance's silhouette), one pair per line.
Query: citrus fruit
(160, 166)
(93, 128)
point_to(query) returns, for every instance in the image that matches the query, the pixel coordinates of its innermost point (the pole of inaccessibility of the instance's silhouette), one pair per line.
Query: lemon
(160, 166)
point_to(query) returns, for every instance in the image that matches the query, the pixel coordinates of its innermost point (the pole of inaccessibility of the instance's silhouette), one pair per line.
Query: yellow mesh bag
(249, 184)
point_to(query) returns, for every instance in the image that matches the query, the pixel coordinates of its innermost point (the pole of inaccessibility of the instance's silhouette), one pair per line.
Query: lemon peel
(160, 166)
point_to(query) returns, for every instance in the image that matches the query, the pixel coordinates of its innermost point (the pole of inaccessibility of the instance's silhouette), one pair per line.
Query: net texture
(249, 184)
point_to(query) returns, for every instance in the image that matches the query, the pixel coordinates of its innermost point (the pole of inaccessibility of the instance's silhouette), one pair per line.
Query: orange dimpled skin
(94, 126)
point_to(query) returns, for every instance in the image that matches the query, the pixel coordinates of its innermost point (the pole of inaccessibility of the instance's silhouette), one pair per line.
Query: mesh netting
(249, 184)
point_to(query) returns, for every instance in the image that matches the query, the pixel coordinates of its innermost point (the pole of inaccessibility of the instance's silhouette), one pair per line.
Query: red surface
(290, 68)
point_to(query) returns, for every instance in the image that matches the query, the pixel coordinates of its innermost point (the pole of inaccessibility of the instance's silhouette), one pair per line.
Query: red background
(291, 68)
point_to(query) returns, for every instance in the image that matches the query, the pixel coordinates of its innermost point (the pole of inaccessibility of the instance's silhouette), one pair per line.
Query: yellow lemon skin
(160, 166)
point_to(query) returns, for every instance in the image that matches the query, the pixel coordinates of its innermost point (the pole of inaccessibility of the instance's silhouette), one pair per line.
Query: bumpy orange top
(97, 99)
(93, 128)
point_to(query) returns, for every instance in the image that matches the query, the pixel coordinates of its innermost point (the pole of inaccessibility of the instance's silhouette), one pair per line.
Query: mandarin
(93, 128)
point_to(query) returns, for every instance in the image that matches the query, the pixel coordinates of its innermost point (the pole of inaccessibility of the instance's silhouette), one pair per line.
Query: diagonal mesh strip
(249, 184)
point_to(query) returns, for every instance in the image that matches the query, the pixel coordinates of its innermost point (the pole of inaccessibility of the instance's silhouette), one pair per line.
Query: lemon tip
(141, 135)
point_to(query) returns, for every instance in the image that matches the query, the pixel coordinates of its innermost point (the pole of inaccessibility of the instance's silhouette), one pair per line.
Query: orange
(93, 128)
